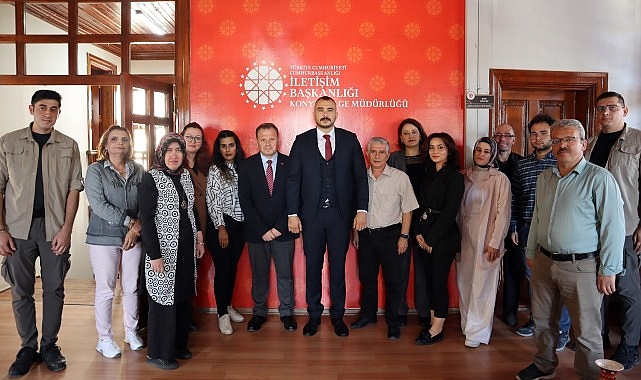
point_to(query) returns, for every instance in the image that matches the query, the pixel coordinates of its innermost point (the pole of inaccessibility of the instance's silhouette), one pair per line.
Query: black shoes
(627, 355)
(256, 323)
(52, 356)
(183, 354)
(25, 359)
(393, 333)
(425, 338)
(162, 363)
(193, 327)
(311, 327)
(340, 328)
(363, 321)
(289, 323)
(510, 320)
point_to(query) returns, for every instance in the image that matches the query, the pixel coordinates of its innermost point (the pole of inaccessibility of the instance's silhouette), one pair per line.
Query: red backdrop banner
(382, 61)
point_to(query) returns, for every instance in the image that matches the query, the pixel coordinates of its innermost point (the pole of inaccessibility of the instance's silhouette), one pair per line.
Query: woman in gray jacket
(113, 235)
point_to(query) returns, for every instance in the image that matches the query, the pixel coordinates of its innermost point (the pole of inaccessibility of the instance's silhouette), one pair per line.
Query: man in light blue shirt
(574, 249)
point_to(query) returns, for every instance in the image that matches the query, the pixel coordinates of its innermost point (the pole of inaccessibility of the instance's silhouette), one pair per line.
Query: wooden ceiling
(101, 18)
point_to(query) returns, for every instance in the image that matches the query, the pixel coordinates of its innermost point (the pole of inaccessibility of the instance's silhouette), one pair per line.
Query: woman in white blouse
(224, 234)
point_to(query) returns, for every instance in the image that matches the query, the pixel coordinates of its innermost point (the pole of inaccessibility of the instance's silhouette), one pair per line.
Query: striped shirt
(524, 186)
(222, 196)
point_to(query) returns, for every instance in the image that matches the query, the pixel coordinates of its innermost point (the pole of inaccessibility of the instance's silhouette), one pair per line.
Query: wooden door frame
(588, 86)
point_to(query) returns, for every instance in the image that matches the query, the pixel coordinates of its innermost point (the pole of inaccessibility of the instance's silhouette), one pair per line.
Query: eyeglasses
(438, 148)
(499, 136)
(193, 138)
(609, 107)
(567, 140)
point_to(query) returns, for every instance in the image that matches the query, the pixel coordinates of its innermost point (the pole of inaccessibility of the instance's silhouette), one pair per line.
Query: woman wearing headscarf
(113, 236)
(172, 241)
(484, 218)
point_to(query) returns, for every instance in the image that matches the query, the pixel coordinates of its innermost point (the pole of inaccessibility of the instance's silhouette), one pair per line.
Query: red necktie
(328, 147)
(269, 173)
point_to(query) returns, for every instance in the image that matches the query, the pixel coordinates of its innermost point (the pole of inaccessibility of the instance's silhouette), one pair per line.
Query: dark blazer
(304, 177)
(263, 211)
(441, 191)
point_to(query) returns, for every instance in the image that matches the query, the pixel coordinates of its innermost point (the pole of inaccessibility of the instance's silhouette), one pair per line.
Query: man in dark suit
(327, 195)
(261, 188)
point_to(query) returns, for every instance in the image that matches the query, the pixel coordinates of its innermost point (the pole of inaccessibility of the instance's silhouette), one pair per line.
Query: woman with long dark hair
(225, 238)
(411, 159)
(198, 160)
(438, 234)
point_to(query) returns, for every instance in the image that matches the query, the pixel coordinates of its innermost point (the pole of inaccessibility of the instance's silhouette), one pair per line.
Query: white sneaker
(135, 343)
(224, 324)
(471, 343)
(108, 348)
(234, 315)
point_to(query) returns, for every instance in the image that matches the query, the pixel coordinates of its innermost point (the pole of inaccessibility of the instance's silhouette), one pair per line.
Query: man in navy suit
(261, 188)
(327, 196)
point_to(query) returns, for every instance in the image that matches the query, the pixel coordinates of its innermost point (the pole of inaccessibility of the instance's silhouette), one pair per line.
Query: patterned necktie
(269, 173)
(328, 147)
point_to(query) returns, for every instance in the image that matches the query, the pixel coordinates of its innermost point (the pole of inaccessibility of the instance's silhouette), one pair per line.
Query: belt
(568, 256)
(427, 213)
(326, 204)
(383, 229)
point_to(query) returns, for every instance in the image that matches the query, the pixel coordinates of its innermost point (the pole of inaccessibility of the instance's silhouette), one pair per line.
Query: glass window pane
(160, 104)
(7, 19)
(140, 101)
(46, 18)
(8, 61)
(46, 59)
(140, 143)
(160, 130)
(99, 18)
(158, 17)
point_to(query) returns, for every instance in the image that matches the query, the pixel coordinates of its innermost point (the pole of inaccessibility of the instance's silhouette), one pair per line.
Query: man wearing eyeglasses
(513, 265)
(523, 195)
(618, 148)
(574, 250)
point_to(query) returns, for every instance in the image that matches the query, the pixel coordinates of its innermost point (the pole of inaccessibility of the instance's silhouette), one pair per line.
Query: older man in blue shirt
(574, 248)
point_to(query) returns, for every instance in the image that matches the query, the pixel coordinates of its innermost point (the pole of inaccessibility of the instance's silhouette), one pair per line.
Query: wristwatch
(405, 236)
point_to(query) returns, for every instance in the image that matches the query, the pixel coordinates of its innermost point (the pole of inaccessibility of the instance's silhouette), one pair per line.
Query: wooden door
(519, 106)
(522, 94)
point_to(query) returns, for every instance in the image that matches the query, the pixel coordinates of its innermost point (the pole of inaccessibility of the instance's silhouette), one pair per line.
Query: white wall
(567, 35)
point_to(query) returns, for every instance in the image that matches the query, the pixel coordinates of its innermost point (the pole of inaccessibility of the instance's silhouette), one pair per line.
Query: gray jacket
(113, 201)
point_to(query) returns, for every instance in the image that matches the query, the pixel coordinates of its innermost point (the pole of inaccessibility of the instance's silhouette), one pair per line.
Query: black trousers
(380, 249)
(513, 271)
(420, 280)
(628, 289)
(167, 329)
(327, 230)
(437, 269)
(225, 260)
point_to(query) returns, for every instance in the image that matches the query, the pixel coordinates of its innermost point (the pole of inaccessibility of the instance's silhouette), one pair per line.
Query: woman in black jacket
(438, 233)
